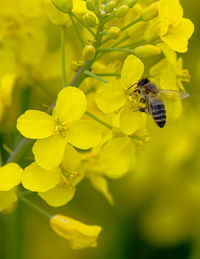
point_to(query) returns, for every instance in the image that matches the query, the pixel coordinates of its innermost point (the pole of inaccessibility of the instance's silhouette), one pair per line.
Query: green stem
(132, 44)
(88, 73)
(130, 24)
(108, 74)
(81, 22)
(33, 205)
(115, 49)
(76, 29)
(98, 120)
(64, 83)
(20, 150)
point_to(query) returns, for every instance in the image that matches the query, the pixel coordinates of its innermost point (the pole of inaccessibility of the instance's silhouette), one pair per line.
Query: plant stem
(64, 83)
(33, 205)
(108, 74)
(20, 150)
(98, 120)
(81, 22)
(132, 44)
(115, 49)
(76, 29)
(95, 76)
(130, 24)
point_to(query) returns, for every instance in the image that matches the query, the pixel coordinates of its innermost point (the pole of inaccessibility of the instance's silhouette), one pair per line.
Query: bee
(151, 97)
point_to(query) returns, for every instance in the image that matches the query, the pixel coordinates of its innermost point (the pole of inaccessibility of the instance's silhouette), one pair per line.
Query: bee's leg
(142, 100)
(142, 109)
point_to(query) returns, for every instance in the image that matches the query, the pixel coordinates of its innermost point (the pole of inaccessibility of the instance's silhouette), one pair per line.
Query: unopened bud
(150, 12)
(130, 3)
(90, 20)
(65, 6)
(54, 14)
(90, 4)
(89, 52)
(114, 32)
(110, 7)
(147, 50)
(122, 11)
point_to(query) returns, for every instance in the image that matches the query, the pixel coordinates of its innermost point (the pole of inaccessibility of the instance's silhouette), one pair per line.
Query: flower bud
(150, 12)
(110, 7)
(90, 20)
(147, 50)
(122, 11)
(89, 52)
(114, 32)
(79, 235)
(65, 6)
(90, 4)
(130, 3)
(54, 14)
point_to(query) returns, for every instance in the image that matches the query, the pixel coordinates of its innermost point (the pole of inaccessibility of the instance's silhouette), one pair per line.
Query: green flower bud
(130, 3)
(150, 12)
(90, 4)
(114, 32)
(110, 7)
(90, 20)
(89, 52)
(65, 6)
(122, 11)
(54, 14)
(147, 50)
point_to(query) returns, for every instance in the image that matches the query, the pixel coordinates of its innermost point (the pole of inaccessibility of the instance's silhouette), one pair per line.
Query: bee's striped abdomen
(158, 112)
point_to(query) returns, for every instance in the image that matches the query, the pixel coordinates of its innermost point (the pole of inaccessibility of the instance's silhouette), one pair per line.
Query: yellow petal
(7, 199)
(71, 104)
(130, 121)
(177, 38)
(170, 10)
(110, 97)
(100, 184)
(79, 235)
(116, 156)
(71, 160)
(59, 195)
(49, 152)
(10, 176)
(169, 53)
(132, 71)
(84, 134)
(36, 179)
(36, 124)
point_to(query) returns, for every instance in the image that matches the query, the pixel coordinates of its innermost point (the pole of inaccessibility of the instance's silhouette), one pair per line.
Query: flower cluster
(91, 131)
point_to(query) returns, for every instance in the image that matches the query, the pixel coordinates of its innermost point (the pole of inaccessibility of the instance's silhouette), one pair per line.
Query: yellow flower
(10, 177)
(53, 132)
(114, 95)
(55, 186)
(79, 235)
(179, 29)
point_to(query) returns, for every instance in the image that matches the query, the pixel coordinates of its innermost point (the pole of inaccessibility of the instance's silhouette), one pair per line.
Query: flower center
(61, 127)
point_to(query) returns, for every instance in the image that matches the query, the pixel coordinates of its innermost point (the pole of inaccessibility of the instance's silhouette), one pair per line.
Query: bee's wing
(173, 94)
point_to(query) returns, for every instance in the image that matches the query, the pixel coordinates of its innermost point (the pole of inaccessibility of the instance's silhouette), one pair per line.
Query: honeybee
(151, 97)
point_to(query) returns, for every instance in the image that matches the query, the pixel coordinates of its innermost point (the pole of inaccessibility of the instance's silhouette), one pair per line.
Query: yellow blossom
(53, 132)
(79, 235)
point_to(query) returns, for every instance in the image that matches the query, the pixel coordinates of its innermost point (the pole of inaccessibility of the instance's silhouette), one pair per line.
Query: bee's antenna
(131, 86)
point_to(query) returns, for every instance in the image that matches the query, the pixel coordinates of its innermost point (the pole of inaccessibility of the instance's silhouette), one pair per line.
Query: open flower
(113, 96)
(10, 177)
(177, 29)
(53, 132)
(79, 235)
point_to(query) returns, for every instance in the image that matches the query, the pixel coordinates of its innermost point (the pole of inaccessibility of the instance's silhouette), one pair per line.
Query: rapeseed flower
(64, 126)
(10, 177)
(79, 235)
(115, 95)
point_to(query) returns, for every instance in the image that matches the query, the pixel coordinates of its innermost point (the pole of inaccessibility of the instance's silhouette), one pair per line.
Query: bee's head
(143, 81)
